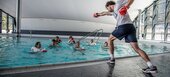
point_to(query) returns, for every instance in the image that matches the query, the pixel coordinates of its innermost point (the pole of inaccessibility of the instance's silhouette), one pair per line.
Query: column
(145, 23)
(166, 20)
(154, 19)
(18, 16)
(138, 25)
(0, 21)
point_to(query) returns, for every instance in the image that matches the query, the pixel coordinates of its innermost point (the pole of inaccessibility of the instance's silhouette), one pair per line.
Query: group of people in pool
(37, 47)
(71, 41)
(55, 42)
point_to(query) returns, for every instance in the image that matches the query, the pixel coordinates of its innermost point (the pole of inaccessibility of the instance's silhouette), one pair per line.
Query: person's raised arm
(124, 9)
(104, 13)
(129, 3)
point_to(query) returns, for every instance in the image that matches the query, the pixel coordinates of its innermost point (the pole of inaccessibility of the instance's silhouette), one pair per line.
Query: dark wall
(73, 33)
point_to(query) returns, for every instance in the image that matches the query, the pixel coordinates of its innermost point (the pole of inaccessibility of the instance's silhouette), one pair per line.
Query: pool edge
(43, 67)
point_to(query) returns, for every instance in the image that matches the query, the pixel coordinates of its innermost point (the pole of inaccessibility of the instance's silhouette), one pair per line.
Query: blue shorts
(126, 31)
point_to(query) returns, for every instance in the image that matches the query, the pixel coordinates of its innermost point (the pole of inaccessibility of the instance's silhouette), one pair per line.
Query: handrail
(99, 34)
(94, 32)
(87, 35)
(30, 31)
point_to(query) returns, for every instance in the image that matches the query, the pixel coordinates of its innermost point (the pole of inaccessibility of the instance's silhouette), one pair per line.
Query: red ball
(95, 15)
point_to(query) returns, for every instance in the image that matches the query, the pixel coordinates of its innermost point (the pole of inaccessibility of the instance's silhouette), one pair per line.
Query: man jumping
(125, 29)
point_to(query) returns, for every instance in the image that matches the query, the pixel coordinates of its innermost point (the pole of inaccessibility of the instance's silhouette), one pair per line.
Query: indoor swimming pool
(15, 52)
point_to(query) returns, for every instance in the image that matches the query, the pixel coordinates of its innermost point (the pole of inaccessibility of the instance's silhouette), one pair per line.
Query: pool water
(15, 52)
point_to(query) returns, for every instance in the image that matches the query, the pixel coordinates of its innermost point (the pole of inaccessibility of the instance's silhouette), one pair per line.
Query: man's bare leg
(139, 51)
(151, 69)
(111, 46)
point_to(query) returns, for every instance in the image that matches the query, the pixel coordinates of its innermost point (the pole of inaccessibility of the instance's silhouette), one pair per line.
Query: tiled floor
(128, 67)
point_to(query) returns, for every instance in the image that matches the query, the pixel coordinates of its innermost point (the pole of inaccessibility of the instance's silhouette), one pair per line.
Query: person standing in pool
(125, 29)
(71, 40)
(54, 43)
(92, 42)
(77, 46)
(105, 45)
(37, 48)
(58, 40)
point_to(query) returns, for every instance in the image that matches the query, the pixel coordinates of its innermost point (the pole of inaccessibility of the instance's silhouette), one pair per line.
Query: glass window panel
(150, 11)
(161, 7)
(149, 32)
(161, 18)
(159, 32)
(161, 1)
(149, 22)
(10, 24)
(168, 37)
(169, 6)
(141, 31)
(142, 18)
(150, 14)
(169, 18)
(4, 23)
(169, 13)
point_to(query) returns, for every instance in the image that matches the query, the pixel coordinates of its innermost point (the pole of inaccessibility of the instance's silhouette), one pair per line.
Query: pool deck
(125, 67)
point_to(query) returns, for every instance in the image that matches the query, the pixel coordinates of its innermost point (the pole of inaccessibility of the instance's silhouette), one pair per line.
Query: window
(159, 32)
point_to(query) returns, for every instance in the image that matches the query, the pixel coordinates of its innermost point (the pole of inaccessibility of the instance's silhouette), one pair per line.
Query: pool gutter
(42, 67)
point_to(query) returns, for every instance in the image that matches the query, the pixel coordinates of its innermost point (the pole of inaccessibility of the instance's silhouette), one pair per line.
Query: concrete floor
(127, 67)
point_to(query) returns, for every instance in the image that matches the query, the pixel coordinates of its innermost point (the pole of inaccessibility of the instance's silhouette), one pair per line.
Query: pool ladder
(95, 32)
(30, 31)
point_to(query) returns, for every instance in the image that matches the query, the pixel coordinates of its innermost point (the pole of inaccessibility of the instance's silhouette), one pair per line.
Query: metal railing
(96, 32)
(155, 15)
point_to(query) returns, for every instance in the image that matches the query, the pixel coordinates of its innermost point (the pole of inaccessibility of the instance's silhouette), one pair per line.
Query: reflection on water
(111, 68)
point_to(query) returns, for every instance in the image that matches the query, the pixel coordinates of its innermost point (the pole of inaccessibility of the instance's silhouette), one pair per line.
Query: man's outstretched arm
(104, 13)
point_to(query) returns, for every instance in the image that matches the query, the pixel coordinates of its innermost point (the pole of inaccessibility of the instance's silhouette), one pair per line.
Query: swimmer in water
(105, 45)
(71, 40)
(92, 42)
(57, 39)
(54, 43)
(37, 48)
(78, 48)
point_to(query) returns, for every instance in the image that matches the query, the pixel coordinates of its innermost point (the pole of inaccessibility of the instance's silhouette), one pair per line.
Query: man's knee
(111, 38)
(137, 49)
